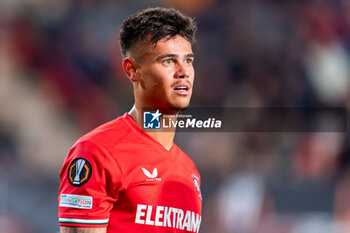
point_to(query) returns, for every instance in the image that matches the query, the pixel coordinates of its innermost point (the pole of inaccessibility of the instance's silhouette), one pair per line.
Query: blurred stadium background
(60, 76)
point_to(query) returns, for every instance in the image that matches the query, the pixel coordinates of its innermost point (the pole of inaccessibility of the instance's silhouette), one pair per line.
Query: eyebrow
(173, 55)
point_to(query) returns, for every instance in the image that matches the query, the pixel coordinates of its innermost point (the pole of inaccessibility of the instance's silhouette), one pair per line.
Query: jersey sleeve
(90, 182)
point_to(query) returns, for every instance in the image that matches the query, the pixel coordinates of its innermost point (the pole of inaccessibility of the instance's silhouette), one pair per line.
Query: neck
(164, 137)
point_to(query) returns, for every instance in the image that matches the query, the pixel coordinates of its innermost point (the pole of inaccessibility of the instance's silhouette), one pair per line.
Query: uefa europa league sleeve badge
(79, 172)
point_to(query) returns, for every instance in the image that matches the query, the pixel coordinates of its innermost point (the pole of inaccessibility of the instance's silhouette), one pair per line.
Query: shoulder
(106, 136)
(96, 149)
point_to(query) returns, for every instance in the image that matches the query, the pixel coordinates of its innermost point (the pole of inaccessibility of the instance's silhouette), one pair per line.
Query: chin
(178, 108)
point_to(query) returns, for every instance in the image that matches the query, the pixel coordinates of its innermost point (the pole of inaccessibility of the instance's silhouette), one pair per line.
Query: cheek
(156, 83)
(161, 78)
(149, 78)
(154, 75)
(161, 81)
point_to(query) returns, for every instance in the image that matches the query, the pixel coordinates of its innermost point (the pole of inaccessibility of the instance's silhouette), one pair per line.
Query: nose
(183, 70)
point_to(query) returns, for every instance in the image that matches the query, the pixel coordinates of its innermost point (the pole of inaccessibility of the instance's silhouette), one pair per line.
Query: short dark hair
(157, 22)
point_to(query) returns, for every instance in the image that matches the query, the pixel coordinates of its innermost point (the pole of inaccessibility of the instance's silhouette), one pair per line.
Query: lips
(182, 88)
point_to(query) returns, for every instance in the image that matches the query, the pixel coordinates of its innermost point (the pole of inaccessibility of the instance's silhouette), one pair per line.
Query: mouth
(182, 89)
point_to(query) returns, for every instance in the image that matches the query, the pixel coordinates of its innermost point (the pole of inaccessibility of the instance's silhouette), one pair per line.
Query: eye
(168, 62)
(189, 61)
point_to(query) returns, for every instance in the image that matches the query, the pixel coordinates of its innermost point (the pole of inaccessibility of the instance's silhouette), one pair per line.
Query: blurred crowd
(60, 76)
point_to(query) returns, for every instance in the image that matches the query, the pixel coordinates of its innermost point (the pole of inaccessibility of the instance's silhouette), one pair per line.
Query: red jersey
(119, 177)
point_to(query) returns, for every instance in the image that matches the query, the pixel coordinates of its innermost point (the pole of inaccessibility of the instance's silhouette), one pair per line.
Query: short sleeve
(90, 182)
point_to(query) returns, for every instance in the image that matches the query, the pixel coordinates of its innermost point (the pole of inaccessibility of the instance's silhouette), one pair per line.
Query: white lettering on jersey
(159, 215)
(148, 216)
(188, 220)
(180, 215)
(140, 214)
(174, 216)
(195, 222)
(167, 213)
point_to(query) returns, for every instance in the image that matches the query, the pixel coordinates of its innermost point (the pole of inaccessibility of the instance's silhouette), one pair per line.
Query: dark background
(60, 76)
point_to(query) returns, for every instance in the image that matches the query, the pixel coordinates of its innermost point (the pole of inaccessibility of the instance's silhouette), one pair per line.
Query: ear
(130, 67)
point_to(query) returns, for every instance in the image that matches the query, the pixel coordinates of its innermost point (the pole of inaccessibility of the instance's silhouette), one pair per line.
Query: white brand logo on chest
(153, 176)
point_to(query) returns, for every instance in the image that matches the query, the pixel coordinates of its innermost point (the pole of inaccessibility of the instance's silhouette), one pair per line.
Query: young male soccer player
(119, 178)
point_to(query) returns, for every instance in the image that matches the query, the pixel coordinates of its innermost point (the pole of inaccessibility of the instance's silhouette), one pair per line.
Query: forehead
(177, 45)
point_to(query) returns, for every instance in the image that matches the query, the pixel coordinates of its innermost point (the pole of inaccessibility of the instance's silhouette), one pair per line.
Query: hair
(157, 22)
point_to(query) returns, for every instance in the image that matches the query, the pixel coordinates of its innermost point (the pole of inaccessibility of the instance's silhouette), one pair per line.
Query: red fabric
(132, 172)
